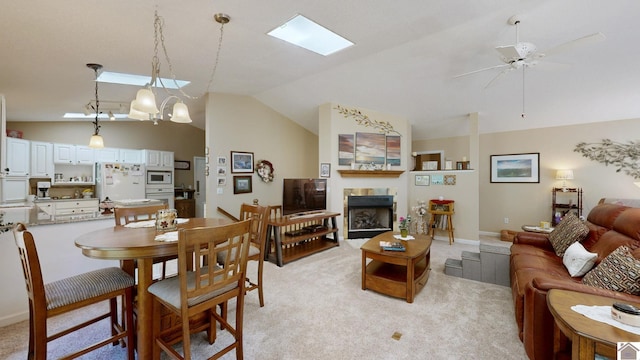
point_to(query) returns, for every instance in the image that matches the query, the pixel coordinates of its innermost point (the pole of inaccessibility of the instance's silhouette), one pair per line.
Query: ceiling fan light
(180, 113)
(145, 102)
(136, 114)
(96, 142)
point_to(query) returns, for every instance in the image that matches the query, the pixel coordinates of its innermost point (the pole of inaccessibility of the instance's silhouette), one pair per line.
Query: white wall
(240, 123)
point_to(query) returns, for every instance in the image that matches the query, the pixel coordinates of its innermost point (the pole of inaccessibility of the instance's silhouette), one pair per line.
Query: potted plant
(404, 225)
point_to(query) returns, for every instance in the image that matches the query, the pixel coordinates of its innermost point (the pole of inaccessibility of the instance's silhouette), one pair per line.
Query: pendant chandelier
(96, 140)
(144, 106)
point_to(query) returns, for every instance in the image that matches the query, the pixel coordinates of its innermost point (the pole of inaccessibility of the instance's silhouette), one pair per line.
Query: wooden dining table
(123, 243)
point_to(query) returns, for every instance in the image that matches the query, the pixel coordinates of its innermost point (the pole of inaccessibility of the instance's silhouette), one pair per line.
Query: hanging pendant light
(96, 140)
(144, 106)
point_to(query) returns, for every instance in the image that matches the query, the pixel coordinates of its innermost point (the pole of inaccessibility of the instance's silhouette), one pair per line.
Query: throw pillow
(619, 271)
(578, 260)
(568, 231)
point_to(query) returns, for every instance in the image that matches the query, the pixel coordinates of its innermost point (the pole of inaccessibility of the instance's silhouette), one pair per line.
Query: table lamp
(564, 175)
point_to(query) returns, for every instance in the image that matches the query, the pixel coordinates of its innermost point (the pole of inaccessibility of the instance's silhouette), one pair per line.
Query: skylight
(305, 33)
(138, 80)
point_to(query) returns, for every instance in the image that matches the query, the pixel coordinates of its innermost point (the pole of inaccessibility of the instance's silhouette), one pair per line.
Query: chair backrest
(259, 216)
(30, 266)
(125, 215)
(198, 250)
(275, 211)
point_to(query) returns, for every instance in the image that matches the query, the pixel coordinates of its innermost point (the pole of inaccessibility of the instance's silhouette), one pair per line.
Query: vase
(404, 232)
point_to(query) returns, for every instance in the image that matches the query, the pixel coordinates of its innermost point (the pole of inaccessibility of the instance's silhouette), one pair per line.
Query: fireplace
(369, 215)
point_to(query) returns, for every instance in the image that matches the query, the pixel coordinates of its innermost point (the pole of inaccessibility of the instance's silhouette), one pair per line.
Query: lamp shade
(96, 142)
(180, 113)
(136, 114)
(564, 175)
(145, 102)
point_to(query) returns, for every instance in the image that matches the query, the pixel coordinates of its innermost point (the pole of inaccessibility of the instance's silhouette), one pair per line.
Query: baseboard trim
(14, 318)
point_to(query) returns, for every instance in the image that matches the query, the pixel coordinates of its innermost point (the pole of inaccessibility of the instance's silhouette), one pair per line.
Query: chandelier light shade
(96, 140)
(137, 114)
(145, 102)
(180, 113)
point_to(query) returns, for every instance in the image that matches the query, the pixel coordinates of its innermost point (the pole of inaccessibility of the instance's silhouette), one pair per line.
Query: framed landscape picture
(393, 150)
(370, 148)
(515, 168)
(241, 162)
(242, 184)
(346, 149)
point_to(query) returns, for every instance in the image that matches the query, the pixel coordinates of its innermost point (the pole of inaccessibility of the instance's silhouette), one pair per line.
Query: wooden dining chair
(199, 287)
(126, 215)
(259, 216)
(73, 293)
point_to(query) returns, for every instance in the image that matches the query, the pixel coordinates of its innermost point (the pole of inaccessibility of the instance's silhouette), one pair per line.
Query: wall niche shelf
(371, 173)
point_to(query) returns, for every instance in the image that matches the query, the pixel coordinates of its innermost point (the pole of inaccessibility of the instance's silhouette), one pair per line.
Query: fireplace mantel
(370, 173)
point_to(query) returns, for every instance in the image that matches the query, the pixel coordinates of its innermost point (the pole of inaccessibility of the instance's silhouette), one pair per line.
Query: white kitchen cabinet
(85, 155)
(76, 207)
(131, 156)
(42, 160)
(107, 155)
(18, 157)
(14, 189)
(115, 155)
(159, 159)
(73, 154)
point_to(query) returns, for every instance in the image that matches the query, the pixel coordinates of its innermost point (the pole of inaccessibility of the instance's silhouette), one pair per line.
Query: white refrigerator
(120, 181)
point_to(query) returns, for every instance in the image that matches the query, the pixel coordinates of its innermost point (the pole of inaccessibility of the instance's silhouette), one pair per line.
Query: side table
(538, 229)
(588, 337)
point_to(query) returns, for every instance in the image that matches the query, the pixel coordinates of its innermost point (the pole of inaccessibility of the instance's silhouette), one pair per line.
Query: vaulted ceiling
(406, 55)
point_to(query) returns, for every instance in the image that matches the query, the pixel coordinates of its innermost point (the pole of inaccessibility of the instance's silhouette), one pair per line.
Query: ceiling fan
(522, 55)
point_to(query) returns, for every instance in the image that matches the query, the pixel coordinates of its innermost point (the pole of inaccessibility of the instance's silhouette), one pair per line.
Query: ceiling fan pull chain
(523, 115)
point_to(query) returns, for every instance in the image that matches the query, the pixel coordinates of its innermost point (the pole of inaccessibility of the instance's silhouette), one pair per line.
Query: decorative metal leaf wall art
(624, 156)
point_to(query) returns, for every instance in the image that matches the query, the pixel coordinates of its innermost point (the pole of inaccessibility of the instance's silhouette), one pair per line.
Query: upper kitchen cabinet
(114, 155)
(131, 156)
(73, 154)
(159, 159)
(42, 159)
(17, 157)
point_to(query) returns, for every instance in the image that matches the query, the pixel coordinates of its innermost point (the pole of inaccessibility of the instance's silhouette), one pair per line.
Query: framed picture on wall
(242, 184)
(370, 148)
(515, 168)
(241, 162)
(325, 170)
(422, 180)
(346, 149)
(393, 150)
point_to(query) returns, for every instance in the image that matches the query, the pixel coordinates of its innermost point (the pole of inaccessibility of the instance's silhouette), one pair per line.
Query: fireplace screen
(369, 215)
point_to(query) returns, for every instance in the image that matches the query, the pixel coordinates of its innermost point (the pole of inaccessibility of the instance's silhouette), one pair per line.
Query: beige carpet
(316, 309)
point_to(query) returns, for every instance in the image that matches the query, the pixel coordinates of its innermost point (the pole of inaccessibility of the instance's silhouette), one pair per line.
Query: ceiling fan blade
(500, 75)
(596, 37)
(481, 70)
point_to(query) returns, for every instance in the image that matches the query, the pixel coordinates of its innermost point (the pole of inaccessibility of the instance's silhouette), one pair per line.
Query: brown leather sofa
(535, 269)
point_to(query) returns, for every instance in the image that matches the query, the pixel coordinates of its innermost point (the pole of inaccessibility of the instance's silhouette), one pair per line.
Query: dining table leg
(145, 309)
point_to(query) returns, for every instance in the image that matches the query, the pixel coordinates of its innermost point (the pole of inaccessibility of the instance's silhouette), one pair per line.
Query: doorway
(199, 167)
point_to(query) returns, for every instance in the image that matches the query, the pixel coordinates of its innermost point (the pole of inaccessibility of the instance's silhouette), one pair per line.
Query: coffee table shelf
(399, 274)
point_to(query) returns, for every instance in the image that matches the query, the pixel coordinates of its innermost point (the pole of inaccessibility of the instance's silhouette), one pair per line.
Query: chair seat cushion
(169, 290)
(86, 286)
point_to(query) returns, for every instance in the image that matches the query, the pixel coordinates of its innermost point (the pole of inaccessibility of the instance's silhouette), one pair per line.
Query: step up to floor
(495, 263)
(453, 267)
(471, 266)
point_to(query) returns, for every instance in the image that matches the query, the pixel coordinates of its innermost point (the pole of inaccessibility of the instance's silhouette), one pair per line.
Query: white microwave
(155, 177)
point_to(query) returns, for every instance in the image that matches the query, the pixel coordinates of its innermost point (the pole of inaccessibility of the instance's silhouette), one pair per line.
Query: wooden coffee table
(588, 337)
(396, 273)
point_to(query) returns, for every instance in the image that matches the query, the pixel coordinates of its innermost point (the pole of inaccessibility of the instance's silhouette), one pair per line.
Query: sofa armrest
(539, 240)
(548, 283)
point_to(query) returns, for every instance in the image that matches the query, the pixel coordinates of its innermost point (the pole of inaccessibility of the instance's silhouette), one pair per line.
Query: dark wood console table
(297, 236)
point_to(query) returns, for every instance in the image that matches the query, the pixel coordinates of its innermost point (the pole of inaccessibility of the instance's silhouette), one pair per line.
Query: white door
(199, 180)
